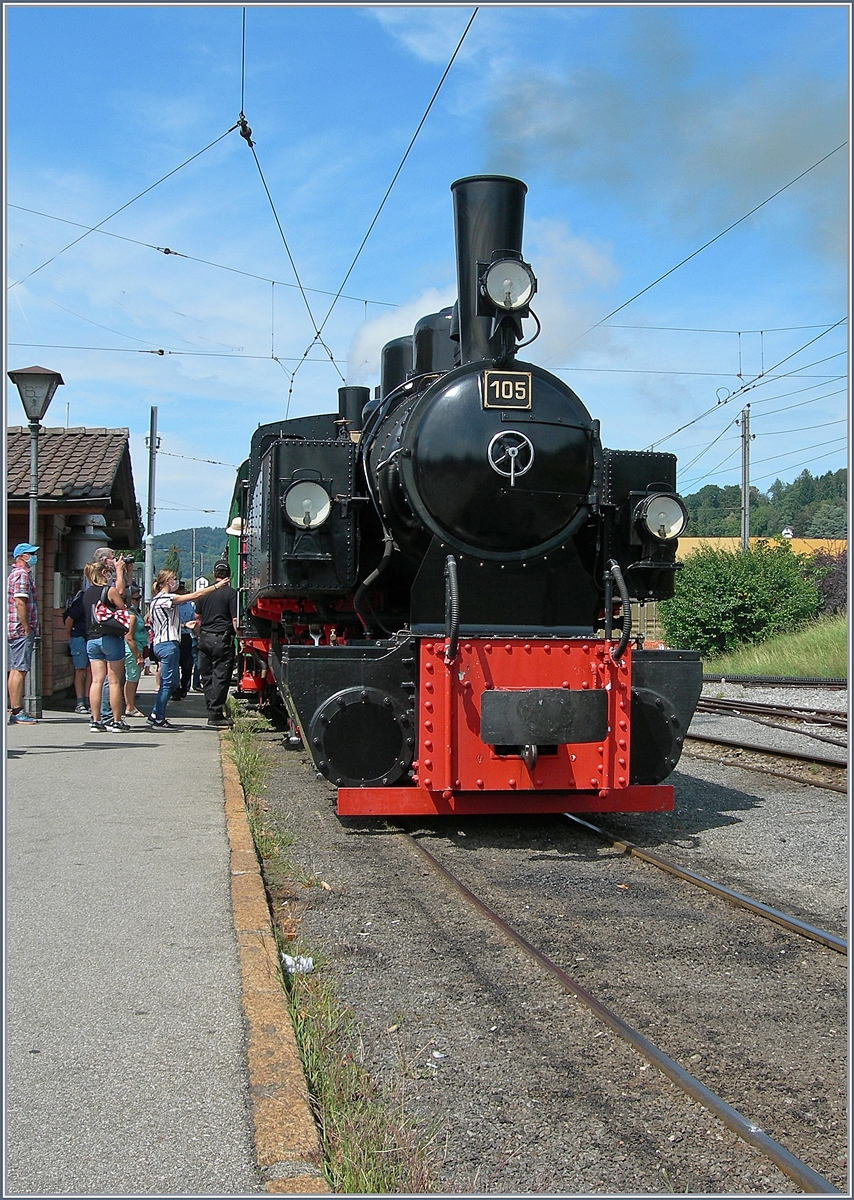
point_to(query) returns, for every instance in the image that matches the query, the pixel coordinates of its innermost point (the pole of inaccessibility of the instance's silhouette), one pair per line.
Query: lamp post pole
(36, 387)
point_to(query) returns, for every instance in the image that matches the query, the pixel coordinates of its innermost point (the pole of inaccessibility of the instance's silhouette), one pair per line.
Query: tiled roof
(74, 464)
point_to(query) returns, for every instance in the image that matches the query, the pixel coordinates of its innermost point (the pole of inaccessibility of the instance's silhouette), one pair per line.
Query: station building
(86, 500)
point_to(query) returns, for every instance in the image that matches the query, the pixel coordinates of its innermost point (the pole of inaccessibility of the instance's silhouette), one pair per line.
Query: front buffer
(512, 726)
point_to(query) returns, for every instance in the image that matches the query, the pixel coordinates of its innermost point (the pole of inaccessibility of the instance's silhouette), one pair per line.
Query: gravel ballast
(523, 1089)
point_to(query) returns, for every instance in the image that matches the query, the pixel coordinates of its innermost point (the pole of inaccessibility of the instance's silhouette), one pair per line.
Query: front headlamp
(662, 516)
(509, 284)
(307, 505)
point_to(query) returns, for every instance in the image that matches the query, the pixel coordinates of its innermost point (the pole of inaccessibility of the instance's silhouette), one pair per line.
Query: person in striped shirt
(166, 637)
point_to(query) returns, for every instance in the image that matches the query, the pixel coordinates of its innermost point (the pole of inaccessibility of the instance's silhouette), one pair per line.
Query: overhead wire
(139, 196)
(391, 185)
(402, 162)
(711, 241)
(763, 378)
(193, 258)
(164, 353)
(191, 458)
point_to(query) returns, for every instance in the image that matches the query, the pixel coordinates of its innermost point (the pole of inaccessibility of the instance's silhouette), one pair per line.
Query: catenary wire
(763, 378)
(213, 461)
(139, 196)
(164, 353)
(711, 241)
(193, 258)
(688, 329)
(402, 162)
(388, 193)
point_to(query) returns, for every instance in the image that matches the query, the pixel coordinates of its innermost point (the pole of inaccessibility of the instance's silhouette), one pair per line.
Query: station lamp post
(36, 387)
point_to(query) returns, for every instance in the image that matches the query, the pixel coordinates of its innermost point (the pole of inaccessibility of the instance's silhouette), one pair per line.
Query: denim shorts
(106, 649)
(20, 653)
(77, 646)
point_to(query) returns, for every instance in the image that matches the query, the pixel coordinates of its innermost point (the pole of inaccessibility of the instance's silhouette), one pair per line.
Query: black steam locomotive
(437, 579)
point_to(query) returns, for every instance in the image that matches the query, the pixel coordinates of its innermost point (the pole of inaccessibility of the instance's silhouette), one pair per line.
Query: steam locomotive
(437, 579)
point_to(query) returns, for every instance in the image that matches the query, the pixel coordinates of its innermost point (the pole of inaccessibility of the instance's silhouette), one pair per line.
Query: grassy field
(819, 649)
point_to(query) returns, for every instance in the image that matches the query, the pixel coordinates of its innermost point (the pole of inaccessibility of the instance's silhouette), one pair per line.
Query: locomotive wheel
(361, 737)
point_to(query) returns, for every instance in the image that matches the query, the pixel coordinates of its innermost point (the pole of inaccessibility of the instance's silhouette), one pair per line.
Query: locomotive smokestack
(489, 212)
(351, 401)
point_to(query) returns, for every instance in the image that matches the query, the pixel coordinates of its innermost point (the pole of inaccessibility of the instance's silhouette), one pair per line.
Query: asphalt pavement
(125, 1048)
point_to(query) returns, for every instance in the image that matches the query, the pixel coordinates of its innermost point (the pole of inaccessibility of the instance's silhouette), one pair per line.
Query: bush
(727, 598)
(832, 579)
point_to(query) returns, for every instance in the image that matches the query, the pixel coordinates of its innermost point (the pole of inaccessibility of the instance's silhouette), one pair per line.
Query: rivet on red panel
(478, 783)
(511, 783)
(428, 704)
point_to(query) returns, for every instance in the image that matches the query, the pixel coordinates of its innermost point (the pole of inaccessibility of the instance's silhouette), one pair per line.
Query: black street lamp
(36, 386)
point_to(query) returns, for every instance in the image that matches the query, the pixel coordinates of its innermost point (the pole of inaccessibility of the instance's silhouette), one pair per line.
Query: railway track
(793, 924)
(745, 1128)
(750, 755)
(786, 716)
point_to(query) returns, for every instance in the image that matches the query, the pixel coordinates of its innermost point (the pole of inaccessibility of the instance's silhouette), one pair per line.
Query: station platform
(130, 1012)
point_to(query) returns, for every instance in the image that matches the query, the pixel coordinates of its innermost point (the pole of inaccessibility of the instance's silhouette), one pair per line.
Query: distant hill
(210, 543)
(815, 506)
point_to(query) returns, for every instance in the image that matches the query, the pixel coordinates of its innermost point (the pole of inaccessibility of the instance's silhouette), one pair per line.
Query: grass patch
(819, 649)
(370, 1144)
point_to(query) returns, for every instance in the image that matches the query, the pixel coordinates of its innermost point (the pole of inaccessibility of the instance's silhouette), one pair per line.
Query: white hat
(236, 527)
(201, 582)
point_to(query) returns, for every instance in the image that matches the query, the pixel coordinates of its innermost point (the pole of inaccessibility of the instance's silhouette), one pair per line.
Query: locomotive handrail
(619, 650)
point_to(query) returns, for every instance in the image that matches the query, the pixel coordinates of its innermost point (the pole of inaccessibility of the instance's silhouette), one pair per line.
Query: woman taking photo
(166, 638)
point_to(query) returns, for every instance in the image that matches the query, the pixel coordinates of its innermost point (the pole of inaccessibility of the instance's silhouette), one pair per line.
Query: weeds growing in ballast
(370, 1144)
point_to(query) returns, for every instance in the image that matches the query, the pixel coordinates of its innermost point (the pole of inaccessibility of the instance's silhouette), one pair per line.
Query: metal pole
(149, 540)
(193, 563)
(33, 687)
(745, 478)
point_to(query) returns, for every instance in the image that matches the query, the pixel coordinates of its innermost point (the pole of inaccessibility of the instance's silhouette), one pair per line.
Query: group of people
(109, 639)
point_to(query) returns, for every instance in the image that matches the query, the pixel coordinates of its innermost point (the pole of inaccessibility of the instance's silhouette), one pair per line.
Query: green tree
(725, 598)
(828, 521)
(172, 561)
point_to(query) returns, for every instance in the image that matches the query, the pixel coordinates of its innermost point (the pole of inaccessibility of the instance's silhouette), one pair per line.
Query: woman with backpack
(105, 645)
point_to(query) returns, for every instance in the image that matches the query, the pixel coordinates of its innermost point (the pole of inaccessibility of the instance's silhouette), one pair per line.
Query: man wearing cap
(218, 614)
(22, 616)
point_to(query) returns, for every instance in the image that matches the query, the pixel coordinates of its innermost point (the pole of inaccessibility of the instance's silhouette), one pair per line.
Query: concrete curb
(287, 1146)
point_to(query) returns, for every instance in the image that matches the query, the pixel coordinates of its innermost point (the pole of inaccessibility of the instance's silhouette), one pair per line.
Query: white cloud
(363, 357)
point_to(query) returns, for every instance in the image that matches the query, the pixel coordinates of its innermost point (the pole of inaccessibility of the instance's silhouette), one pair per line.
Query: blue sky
(641, 132)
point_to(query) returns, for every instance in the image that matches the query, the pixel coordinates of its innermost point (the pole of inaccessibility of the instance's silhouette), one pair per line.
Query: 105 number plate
(507, 389)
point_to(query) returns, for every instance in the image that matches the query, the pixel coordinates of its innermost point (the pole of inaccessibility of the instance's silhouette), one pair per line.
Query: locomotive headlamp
(509, 284)
(662, 516)
(307, 504)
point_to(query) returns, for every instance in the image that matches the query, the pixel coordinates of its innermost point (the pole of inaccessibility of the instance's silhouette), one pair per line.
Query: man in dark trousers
(218, 615)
